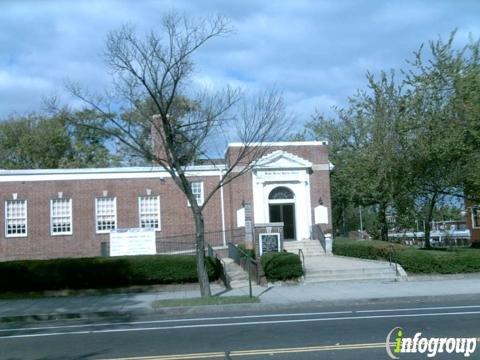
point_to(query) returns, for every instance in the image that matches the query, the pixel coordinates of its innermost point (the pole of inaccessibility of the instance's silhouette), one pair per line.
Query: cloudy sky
(316, 52)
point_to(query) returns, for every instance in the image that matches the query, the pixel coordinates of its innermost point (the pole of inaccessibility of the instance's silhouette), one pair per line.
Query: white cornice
(104, 173)
(282, 143)
(282, 159)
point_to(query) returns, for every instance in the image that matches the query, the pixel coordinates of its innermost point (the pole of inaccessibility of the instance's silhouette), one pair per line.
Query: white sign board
(135, 241)
(321, 214)
(241, 217)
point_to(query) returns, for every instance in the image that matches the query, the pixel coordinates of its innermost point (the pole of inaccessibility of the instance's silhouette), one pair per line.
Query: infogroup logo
(397, 344)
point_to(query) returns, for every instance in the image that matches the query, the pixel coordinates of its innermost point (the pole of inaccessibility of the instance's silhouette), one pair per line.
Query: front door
(284, 213)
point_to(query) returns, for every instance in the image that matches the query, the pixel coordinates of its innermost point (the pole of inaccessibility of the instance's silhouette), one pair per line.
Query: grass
(214, 300)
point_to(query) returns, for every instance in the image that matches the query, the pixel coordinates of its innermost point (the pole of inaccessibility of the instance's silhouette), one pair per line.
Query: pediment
(282, 160)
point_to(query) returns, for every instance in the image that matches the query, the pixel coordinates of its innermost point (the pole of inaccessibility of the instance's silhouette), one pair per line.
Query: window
(197, 190)
(61, 216)
(281, 193)
(149, 211)
(105, 214)
(476, 217)
(15, 218)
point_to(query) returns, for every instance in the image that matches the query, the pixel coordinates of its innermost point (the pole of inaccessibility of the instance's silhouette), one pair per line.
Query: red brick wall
(175, 215)
(474, 233)
(176, 218)
(319, 179)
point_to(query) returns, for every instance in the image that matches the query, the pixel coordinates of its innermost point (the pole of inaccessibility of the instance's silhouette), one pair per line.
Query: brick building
(473, 221)
(70, 212)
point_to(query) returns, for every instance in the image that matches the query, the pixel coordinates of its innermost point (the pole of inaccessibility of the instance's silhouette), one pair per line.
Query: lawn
(446, 261)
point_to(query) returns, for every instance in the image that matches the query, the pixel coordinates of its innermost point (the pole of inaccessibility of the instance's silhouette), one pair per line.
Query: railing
(302, 257)
(392, 258)
(316, 233)
(247, 263)
(213, 254)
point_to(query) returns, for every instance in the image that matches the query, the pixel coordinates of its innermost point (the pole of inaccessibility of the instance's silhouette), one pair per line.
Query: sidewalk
(284, 294)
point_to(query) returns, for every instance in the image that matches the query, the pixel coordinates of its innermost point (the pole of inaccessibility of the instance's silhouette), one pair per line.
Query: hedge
(463, 260)
(101, 272)
(281, 266)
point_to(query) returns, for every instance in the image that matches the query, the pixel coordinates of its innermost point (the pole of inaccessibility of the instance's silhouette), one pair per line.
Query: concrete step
(237, 277)
(348, 271)
(321, 275)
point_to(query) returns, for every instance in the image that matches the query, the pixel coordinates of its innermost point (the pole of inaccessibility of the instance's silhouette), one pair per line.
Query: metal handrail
(392, 255)
(317, 234)
(300, 254)
(235, 252)
(212, 253)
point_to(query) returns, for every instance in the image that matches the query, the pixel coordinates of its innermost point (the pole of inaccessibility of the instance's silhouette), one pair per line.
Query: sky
(315, 52)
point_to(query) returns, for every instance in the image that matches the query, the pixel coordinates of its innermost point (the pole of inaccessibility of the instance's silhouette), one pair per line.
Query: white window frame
(7, 235)
(140, 211)
(202, 196)
(477, 209)
(106, 231)
(70, 202)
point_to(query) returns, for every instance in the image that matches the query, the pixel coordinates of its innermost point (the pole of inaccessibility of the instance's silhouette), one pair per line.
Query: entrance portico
(281, 193)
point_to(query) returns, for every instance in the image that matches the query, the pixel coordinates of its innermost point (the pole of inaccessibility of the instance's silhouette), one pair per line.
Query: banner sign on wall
(135, 241)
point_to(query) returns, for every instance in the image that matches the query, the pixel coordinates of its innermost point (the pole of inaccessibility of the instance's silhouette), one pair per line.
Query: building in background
(472, 216)
(70, 212)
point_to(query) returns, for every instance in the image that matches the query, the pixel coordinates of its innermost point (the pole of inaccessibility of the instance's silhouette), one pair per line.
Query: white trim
(294, 161)
(159, 217)
(222, 209)
(281, 143)
(114, 213)
(104, 173)
(70, 201)
(26, 219)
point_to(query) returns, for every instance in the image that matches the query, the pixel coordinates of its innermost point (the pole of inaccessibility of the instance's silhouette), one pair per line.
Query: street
(309, 332)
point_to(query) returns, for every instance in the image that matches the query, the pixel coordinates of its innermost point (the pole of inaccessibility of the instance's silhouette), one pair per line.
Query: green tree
(442, 125)
(152, 74)
(364, 145)
(49, 142)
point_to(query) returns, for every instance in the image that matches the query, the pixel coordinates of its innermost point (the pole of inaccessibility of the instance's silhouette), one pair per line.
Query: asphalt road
(308, 332)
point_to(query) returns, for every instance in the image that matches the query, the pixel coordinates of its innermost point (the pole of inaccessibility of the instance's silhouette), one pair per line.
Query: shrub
(475, 244)
(281, 266)
(411, 259)
(35, 275)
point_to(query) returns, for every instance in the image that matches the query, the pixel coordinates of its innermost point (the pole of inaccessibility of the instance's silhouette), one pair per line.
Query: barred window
(197, 190)
(149, 211)
(106, 214)
(61, 216)
(15, 218)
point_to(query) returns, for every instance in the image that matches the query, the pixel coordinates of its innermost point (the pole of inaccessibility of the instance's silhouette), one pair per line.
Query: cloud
(317, 52)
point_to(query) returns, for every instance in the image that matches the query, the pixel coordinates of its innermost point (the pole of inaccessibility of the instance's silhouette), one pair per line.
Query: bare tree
(173, 126)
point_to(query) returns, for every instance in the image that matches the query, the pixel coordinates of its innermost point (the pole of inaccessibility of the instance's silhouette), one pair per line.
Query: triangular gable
(282, 159)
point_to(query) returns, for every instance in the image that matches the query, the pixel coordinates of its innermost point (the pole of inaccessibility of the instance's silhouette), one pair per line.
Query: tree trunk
(200, 252)
(382, 220)
(428, 221)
